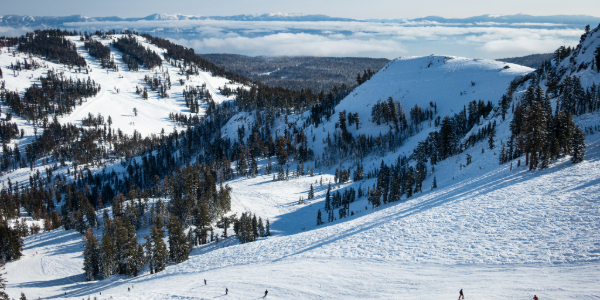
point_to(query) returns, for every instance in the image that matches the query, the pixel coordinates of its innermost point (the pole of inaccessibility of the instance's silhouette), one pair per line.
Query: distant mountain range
(505, 19)
(49, 21)
(487, 20)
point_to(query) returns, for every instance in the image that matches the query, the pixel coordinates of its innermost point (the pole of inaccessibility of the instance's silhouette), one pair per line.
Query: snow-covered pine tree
(311, 192)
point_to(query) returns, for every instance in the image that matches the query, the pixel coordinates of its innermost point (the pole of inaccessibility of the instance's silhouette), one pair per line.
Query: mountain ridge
(49, 21)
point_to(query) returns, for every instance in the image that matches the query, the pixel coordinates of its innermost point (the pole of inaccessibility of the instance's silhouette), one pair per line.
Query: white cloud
(524, 45)
(296, 44)
(12, 31)
(360, 38)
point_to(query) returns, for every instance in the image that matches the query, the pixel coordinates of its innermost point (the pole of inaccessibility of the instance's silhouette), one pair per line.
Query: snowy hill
(583, 61)
(493, 228)
(153, 113)
(450, 82)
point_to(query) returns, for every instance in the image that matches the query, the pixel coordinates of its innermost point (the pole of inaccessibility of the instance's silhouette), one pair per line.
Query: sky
(357, 9)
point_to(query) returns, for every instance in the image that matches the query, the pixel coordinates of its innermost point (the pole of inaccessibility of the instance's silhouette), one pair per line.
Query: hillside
(117, 97)
(469, 177)
(532, 61)
(305, 72)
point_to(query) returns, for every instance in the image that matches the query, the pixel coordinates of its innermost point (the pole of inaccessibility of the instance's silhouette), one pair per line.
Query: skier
(535, 297)
(461, 295)
(226, 291)
(266, 292)
(204, 281)
(128, 289)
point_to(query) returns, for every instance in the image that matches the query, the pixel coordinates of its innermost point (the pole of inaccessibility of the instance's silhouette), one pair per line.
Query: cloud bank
(353, 38)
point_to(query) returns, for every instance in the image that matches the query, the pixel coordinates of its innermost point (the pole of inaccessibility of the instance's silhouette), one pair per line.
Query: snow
(444, 80)
(153, 114)
(497, 233)
(579, 63)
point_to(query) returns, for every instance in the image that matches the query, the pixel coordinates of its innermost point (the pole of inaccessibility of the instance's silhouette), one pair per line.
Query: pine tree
(545, 160)
(179, 246)
(597, 52)
(22, 296)
(328, 199)
(159, 249)
(261, 227)
(3, 295)
(91, 255)
(268, 228)
(254, 227)
(491, 140)
(280, 150)
(504, 105)
(311, 192)
(108, 265)
(126, 246)
(202, 221)
(408, 183)
(319, 221)
(434, 185)
(375, 197)
(578, 146)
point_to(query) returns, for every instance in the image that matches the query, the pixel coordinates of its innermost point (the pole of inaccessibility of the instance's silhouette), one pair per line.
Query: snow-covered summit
(449, 81)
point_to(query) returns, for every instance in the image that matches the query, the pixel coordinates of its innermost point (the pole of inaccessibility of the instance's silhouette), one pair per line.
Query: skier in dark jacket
(204, 281)
(226, 291)
(461, 295)
(266, 292)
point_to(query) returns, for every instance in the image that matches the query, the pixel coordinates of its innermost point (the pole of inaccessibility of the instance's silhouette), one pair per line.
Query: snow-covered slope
(153, 114)
(582, 61)
(496, 231)
(449, 82)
